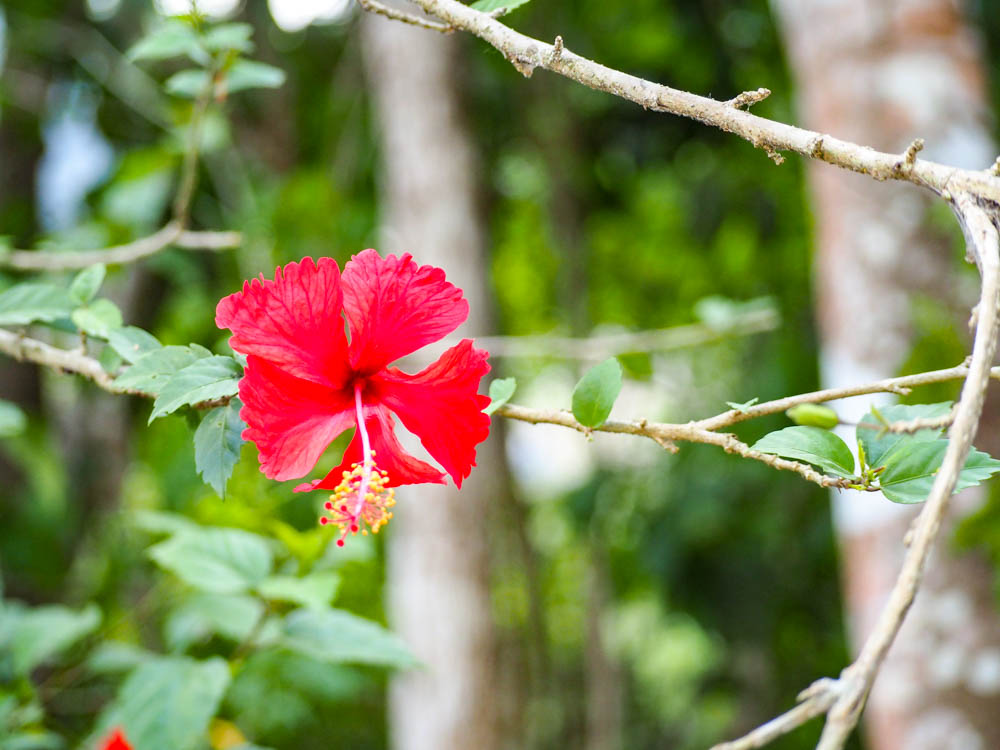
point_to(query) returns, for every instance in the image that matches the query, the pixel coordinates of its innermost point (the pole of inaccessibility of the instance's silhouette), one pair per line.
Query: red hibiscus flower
(116, 741)
(307, 379)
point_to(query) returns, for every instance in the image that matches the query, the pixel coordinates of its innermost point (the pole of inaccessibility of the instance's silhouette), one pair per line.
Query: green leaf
(172, 39)
(217, 443)
(98, 318)
(336, 636)
(247, 74)
(501, 391)
(911, 468)
(151, 371)
(742, 408)
(34, 302)
(315, 591)
(188, 83)
(814, 415)
(596, 392)
(202, 380)
(821, 448)
(131, 342)
(232, 616)
(227, 36)
(222, 561)
(12, 419)
(163, 522)
(488, 6)
(35, 635)
(276, 689)
(878, 443)
(117, 657)
(85, 284)
(166, 704)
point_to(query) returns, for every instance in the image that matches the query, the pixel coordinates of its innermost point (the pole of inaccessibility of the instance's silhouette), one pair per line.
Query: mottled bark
(438, 583)
(884, 72)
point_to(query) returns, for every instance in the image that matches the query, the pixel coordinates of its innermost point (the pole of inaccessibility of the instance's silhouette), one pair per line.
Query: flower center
(361, 499)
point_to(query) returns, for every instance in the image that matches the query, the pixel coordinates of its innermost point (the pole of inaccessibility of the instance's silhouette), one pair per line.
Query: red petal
(394, 307)
(389, 457)
(291, 420)
(294, 321)
(441, 407)
(116, 741)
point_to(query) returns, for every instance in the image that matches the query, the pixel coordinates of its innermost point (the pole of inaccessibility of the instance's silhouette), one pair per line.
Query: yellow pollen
(351, 511)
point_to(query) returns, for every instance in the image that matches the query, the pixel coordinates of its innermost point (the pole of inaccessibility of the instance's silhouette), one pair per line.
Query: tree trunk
(883, 72)
(438, 583)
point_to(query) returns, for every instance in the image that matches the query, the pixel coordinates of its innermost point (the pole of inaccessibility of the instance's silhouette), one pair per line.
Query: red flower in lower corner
(306, 381)
(116, 741)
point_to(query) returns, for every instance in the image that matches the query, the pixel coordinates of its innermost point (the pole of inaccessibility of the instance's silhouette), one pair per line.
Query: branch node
(816, 147)
(557, 50)
(749, 98)
(909, 157)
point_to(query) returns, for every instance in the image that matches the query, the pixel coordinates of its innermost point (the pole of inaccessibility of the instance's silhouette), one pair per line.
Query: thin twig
(170, 234)
(814, 706)
(900, 386)
(373, 6)
(526, 54)
(603, 346)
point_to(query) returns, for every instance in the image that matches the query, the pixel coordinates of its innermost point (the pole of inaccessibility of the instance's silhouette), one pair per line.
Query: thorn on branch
(775, 157)
(995, 169)
(749, 98)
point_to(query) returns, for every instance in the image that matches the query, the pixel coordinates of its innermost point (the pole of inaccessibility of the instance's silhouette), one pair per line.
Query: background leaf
(595, 394)
(35, 635)
(188, 83)
(315, 590)
(172, 39)
(247, 74)
(166, 704)
(12, 419)
(816, 446)
(199, 617)
(223, 561)
(336, 636)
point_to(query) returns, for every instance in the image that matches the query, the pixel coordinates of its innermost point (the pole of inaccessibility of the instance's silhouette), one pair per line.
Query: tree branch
(526, 54)
(170, 234)
(983, 245)
(63, 360)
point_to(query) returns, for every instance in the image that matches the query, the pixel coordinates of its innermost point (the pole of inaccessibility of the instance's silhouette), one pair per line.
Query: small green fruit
(814, 415)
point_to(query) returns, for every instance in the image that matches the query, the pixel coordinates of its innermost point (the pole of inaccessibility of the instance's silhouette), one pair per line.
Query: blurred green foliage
(712, 580)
